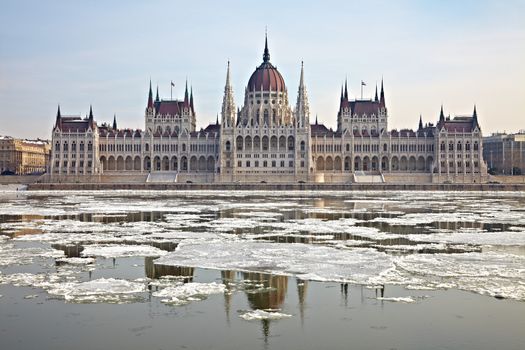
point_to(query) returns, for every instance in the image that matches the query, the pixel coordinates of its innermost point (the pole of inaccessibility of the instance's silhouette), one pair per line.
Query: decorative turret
(90, 119)
(382, 101)
(376, 98)
(191, 99)
(59, 117)
(150, 96)
(114, 122)
(346, 89)
(302, 108)
(420, 122)
(157, 99)
(475, 122)
(441, 115)
(186, 97)
(228, 104)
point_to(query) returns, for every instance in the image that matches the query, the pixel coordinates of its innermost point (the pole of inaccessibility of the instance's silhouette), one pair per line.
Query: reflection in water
(227, 278)
(70, 250)
(269, 294)
(302, 286)
(155, 271)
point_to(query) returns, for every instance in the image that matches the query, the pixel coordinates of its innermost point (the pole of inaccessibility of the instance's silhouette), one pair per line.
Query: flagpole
(361, 89)
(171, 91)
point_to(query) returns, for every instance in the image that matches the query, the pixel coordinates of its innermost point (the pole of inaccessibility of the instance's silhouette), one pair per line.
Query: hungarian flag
(172, 83)
(363, 83)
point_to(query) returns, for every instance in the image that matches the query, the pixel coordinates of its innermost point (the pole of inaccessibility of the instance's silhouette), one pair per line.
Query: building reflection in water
(155, 271)
(268, 295)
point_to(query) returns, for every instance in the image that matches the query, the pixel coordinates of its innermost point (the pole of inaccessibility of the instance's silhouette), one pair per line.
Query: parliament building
(267, 140)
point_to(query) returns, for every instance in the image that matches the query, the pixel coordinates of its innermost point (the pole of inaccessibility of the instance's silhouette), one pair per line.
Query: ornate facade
(266, 140)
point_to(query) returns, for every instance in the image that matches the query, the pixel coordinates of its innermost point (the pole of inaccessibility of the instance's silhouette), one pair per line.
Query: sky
(103, 53)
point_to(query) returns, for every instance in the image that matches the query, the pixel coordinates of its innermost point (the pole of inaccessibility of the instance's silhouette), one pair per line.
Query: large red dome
(266, 76)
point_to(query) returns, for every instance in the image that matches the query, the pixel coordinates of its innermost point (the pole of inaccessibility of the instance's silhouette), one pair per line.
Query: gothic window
(459, 146)
(228, 146)
(302, 146)
(476, 146)
(57, 146)
(442, 146)
(266, 117)
(451, 146)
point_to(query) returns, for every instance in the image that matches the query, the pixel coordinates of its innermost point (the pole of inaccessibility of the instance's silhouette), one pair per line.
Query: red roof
(268, 77)
(170, 107)
(365, 107)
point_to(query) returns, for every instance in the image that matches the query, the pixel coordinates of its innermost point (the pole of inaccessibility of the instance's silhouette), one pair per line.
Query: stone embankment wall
(278, 187)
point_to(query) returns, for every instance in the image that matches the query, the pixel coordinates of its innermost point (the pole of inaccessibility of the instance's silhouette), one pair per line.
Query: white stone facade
(267, 141)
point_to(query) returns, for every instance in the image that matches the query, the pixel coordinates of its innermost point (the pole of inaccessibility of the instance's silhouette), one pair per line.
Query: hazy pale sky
(103, 53)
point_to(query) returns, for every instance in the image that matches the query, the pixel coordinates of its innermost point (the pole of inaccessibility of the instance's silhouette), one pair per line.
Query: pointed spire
(266, 55)
(217, 120)
(316, 119)
(59, 117)
(228, 104)
(191, 97)
(186, 98)
(302, 108)
(157, 99)
(342, 94)
(376, 99)
(346, 89)
(228, 76)
(382, 97)
(420, 122)
(115, 121)
(475, 117)
(301, 79)
(150, 96)
(90, 112)
(441, 114)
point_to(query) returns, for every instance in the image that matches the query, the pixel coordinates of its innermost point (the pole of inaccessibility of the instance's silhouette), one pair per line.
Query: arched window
(385, 147)
(459, 146)
(476, 146)
(228, 146)
(266, 117)
(302, 146)
(442, 146)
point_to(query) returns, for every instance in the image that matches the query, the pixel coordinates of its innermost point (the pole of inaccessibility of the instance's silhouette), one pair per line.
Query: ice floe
(108, 290)
(398, 299)
(263, 315)
(119, 251)
(181, 294)
(303, 260)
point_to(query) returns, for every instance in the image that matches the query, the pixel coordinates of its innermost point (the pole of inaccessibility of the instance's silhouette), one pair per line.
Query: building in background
(505, 153)
(24, 157)
(268, 140)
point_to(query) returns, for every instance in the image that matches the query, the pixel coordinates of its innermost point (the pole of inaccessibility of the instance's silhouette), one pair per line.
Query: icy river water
(262, 270)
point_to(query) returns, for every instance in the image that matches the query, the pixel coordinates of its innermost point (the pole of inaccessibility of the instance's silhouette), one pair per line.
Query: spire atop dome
(266, 55)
